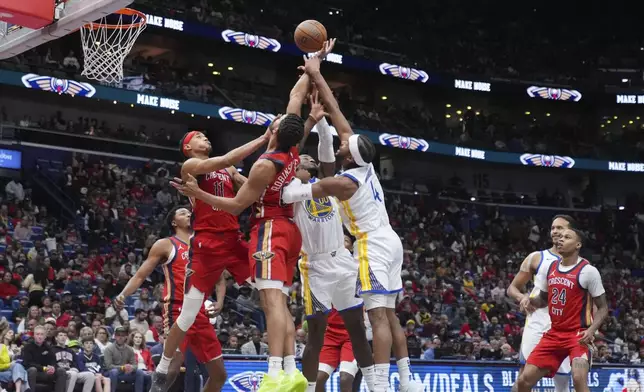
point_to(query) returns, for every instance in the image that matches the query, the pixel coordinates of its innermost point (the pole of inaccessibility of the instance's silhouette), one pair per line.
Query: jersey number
(218, 190)
(558, 297)
(375, 192)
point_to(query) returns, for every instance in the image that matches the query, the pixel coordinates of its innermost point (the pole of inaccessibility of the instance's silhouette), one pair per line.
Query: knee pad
(192, 302)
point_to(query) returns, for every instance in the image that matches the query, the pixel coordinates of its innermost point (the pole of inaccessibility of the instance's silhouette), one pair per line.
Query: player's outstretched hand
(119, 300)
(525, 305)
(188, 188)
(317, 109)
(587, 337)
(312, 64)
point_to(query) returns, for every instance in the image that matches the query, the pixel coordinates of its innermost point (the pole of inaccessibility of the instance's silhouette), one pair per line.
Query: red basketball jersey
(270, 204)
(570, 305)
(335, 324)
(207, 217)
(174, 270)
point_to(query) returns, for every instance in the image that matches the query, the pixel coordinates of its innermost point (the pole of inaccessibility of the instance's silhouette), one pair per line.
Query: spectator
(255, 346)
(120, 363)
(10, 370)
(99, 299)
(35, 283)
(116, 316)
(34, 314)
(101, 338)
(75, 286)
(232, 346)
(70, 61)
(139, 322)
(15, 191)
(40, 362)
(8, 290)
(164, 197)
(85, 334)
(89, 361)
(66, 359)
(155, 330)
(145, 302)
(142, 355)
(22, 232)
(300, 342)
(23, 309)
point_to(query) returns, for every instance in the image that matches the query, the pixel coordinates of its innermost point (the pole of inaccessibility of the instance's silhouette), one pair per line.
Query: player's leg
(346, 381)
(290, 367)
(325, 370)
(529, 378)
(400, 347)
(580, 356)
(562, 378)
(382, 339)
(203, 343)
(310, 358)
(320, 383)
(174, 369)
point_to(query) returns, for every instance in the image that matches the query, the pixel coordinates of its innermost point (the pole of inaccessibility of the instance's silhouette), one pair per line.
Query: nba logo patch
(246, 381)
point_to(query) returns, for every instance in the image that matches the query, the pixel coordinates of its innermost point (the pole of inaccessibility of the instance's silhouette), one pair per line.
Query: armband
(296, 191)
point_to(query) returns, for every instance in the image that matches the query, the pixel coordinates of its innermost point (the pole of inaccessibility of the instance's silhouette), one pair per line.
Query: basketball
(310, 36)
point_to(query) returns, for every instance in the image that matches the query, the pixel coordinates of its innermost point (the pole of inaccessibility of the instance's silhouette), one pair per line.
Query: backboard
(68, 17)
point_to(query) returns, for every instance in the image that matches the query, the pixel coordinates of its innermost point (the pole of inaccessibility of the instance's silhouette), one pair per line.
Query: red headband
(186, 140)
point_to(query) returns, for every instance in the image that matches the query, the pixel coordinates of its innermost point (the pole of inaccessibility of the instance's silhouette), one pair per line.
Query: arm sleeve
(296, 191)
(325, 143)
(590, 280)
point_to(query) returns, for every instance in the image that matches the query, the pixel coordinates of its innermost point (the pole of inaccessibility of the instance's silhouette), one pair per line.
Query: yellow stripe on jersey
(306, 284)
(361, 239)
(268, 225)
(589, 309)
(168, 288)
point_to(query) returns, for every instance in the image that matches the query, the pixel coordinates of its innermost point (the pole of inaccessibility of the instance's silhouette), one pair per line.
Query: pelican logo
(189, 272)
(246, 116)
(398, 71)
(555, 94)
(263, 255)
(246, 381)
(547, 160)
(251, 40)
(60, 86)
(404, 142)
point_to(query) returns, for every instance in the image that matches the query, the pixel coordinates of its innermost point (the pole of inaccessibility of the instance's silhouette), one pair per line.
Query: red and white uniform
(217, 242)
(337, 348)
(571, 290)
(275, 240)
(201, 338)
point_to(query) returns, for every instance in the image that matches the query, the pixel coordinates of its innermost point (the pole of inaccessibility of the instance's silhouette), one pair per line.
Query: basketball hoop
(108, 41)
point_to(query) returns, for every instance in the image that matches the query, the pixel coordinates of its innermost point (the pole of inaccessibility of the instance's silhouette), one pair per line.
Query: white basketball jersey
(320, 223)
(365, 211)
(539, 320)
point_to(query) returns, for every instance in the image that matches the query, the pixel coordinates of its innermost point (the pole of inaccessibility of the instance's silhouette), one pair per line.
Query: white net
(105, 45)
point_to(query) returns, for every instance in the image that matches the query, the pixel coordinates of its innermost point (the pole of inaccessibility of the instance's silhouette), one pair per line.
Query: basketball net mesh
(105, 46)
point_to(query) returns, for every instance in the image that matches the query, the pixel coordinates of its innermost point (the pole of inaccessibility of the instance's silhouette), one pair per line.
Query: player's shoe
(296, 382)
(414, 386)
(270, 384)
(158, 382)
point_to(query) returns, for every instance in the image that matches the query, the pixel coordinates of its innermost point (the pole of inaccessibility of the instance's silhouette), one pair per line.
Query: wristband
(312, 118)
(325, 143)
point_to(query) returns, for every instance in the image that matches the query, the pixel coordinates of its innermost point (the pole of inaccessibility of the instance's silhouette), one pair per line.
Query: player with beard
(275, 240)
(378, 249)
(569, 289)
(537, 320)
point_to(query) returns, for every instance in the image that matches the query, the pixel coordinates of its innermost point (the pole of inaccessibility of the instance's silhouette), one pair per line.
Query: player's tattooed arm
(198, 167)
(539, 301)
(159, 251)
(238, 179)
(600, 314)
(261, 174)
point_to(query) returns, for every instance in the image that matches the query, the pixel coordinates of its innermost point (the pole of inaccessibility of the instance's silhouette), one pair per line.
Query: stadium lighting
(192, 115)
(211, 64)
(608, 121)
(449, 105)
(172, 112)
(460, 119)
(114, 102)
(547, 114)
(459, 112)
(615, 117)
(208, 117)
(131, 105)
(621, 208)
(216, 73)
(637, 118)
(527, 113)
(384, 97)
(330, 12)
(448, 116)
(230, 68)
(415, 192)
(472, 198)
(630, 121)
(478, 113)
(469, 108)
(625, 80)
(602, 126)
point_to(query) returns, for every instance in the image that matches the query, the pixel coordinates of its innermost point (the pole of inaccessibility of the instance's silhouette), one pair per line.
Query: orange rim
(123, 11)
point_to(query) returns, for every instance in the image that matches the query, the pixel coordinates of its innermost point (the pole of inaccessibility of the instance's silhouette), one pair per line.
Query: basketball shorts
(380, 257)
(201, 338)
(210, 254)
(554, 347)
(274, 249)
(529, 341)
(337, 351)
(329, 278)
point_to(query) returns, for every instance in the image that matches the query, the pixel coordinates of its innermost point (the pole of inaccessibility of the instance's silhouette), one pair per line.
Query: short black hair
(581, 235)
(139, 311)
(170, 217)
(290, 131)
(571, 221)
(366, 148)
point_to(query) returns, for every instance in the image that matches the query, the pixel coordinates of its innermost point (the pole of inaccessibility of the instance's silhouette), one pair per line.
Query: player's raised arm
(238, 179)
(297, 96)
(159, 251)
(316, 114)
(262, 174)
(341, 187)
(312, 68)
(196, 166)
